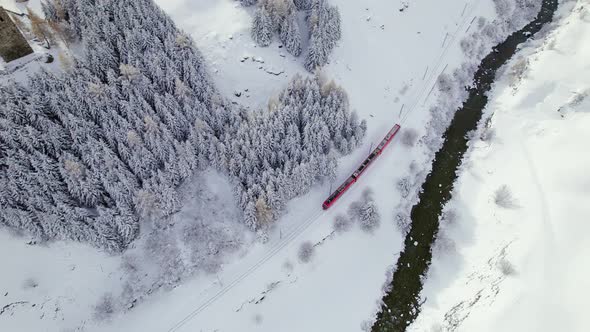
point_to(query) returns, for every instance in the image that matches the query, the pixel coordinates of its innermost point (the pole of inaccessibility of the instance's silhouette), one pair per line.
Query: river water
(402, 304)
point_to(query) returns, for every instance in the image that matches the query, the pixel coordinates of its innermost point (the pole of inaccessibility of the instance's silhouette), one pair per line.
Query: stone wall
(12, 43)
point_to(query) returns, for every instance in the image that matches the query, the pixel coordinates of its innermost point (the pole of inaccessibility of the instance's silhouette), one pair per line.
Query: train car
(362, 168)
(338, 192)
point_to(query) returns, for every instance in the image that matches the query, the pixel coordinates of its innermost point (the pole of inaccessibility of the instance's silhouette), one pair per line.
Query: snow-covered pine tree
(290, 35)
(369, 216)
(248, 3)
(88, 168)
(325, 32)
(70, 165)
(282, 152)
(303, 4)
(262, 27)
(279, 10)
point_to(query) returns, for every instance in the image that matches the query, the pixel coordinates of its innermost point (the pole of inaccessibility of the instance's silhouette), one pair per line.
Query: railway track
(430, 82)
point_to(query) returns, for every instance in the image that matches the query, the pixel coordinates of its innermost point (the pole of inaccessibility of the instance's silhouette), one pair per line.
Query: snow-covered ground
(387, 59)
(523, 266)
(340, 288)
(48, 288)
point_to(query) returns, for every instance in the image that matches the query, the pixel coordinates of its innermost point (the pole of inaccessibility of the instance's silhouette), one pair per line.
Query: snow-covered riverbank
(515, 255)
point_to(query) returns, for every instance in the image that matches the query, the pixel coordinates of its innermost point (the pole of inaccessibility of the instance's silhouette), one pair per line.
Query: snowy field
(517, 259)
(269, 287)
(388, 61)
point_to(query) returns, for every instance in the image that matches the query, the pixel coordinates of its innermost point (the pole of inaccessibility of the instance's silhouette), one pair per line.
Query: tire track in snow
(545, 212)
(548, 271)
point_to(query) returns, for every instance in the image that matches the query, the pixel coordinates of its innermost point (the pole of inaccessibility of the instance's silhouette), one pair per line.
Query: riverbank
(402, 304)
(521, 266)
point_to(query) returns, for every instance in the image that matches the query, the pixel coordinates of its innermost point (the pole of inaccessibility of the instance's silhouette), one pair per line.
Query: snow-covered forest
(87, 154)
(282, 151)
(281, 16)
(166, 171)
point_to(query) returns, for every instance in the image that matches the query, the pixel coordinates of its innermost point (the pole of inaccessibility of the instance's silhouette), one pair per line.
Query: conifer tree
(290, 35)
(262, 27)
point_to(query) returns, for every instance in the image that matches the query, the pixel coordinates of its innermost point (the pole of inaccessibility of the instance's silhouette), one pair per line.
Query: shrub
(305, 252)
(444, 244)
(288, 266)
(506, 267)
(248, 3)
(488, 134)
(370, 217)
(503, 198)
(409, 137)
(403, 222)
(342, 223)
(258, 319)
(30, 283)
(449, 217)
(303, 4)
(404, 186)
(105, 307)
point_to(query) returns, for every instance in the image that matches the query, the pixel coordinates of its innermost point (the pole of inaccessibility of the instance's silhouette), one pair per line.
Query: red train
(363, 167)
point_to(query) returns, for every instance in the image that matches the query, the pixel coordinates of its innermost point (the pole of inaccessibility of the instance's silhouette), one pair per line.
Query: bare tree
(30, 283)
(105, 307)
(409, 137)
(503, 198)
(488, 134)
(303, 4)
(449, 217)
(39, 27)
(506, 267)
(444, 244)
(247, 3)
(403, 222)
(403, 186)
(263, 212)
(370, 217)
(305, 252)
(354, 210)
(342, 223)
(130, 263)
(368, 194)
(258, 319)
(288, 266)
